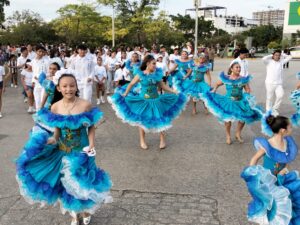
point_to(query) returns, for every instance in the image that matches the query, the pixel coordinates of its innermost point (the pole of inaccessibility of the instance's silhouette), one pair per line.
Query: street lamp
(197, 3)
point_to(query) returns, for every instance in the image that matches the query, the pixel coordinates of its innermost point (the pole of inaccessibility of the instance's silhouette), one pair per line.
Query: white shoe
(1, 115)
(102, 100)
(16, 86)
(11, 85)
(86, 220)
(98, 101)
(108, 92)
(25, 100)
(29, 110)
(75, 222)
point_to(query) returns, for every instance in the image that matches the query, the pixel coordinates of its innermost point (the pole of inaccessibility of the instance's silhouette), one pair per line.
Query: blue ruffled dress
(196, 85)
(181, 71)
(149, 110)
(276, 198)
(295, 99)
(235, 105)
(62, 173)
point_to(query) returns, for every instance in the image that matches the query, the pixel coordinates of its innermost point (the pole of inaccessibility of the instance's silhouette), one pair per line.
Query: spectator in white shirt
(241, 59)
(22, 59)
(31, 53)
(84, 70)
(110, 68)
(26, 79)
(121, 78)
(2, 74)
(274, 79)
(39, 64)
(173, 57)
(100, 78)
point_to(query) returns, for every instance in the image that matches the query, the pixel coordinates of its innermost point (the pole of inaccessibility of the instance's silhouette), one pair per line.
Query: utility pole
(113, 26)
(197, 3)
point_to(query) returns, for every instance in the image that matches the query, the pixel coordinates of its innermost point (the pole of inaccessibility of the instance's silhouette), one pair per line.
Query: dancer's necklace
(73, 104)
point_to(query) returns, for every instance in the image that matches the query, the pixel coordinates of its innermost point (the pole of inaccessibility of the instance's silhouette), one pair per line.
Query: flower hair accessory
(265, 128)
(59, 73)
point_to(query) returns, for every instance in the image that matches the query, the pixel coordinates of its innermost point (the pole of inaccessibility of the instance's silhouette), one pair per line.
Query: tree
(263, 35)
(81, 23)
(3, 3)
(27, 27)
(186, 25)
(134, 16)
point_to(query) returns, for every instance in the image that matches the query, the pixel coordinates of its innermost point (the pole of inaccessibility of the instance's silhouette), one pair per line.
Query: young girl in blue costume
(275, 189)
(49, 86)
(131, 64)
(182, 67)
(149, 111)
(235, 105)
(196, 85)
(61, 168)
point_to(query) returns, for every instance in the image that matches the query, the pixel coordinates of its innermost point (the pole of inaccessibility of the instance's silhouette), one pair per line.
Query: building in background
(273, 17)
(232, 24)
(291, 19)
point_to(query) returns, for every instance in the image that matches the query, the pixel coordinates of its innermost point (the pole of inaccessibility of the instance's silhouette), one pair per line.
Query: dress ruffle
(48, 175)
(282, 157)
(295, 99)
(271, 203)
(86, 119)
(227, 110)
(191, 88)
(241, 81)
(153, 115)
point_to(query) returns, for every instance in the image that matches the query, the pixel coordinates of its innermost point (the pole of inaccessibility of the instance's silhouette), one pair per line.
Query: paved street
(195, 180)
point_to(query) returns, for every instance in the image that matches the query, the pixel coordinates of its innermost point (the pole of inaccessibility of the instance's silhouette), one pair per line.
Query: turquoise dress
(196, 85)
(235, 105)
(295, 99)
(62, 173)
(182, 68)
(148, 109)
(276, 198)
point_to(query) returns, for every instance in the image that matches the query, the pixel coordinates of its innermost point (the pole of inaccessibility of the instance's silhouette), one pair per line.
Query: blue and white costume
(148, 109)
(62, 173)
(196, 85)
(276, 198)
(235, 105)
(295, 99)
(180, 72)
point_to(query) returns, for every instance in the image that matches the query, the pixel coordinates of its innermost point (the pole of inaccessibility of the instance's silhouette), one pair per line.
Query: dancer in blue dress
(49, 86)
(182, 67)
(295, 99)
(275, 189)
(61, 168)
(149, 111)
(235, 105)
(196, 85)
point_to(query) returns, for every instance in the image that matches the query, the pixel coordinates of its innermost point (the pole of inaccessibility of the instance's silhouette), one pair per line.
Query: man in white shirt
(173, 57)
(274, 79)
(21, 61)
(241, 59)
(39, 64)
(31, 53)
(110, 68)
(84, 71)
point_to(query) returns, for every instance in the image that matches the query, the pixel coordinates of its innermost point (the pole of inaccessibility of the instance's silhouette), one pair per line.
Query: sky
(48, 8)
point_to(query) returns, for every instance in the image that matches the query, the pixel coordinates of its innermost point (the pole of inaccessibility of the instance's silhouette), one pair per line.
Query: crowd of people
(148, 89)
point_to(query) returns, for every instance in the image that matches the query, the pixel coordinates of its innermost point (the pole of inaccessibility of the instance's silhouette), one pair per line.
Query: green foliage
(274, 45)
(27, 27)
(263, 35)
(3, 3)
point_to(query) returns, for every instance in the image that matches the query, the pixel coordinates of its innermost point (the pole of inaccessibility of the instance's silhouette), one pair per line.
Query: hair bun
(270, 120)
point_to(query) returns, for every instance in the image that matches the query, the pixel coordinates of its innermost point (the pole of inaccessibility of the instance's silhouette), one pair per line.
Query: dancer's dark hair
(277, 123)
(146, 60)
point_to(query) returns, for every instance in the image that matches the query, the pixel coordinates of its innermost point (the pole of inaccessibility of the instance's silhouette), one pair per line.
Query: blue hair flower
(265, 128)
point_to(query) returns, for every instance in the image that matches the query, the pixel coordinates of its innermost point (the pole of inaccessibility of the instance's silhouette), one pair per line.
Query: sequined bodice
(272, 165)
(149, 87)
(73, 140)
(234, 91)
(198, 75)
